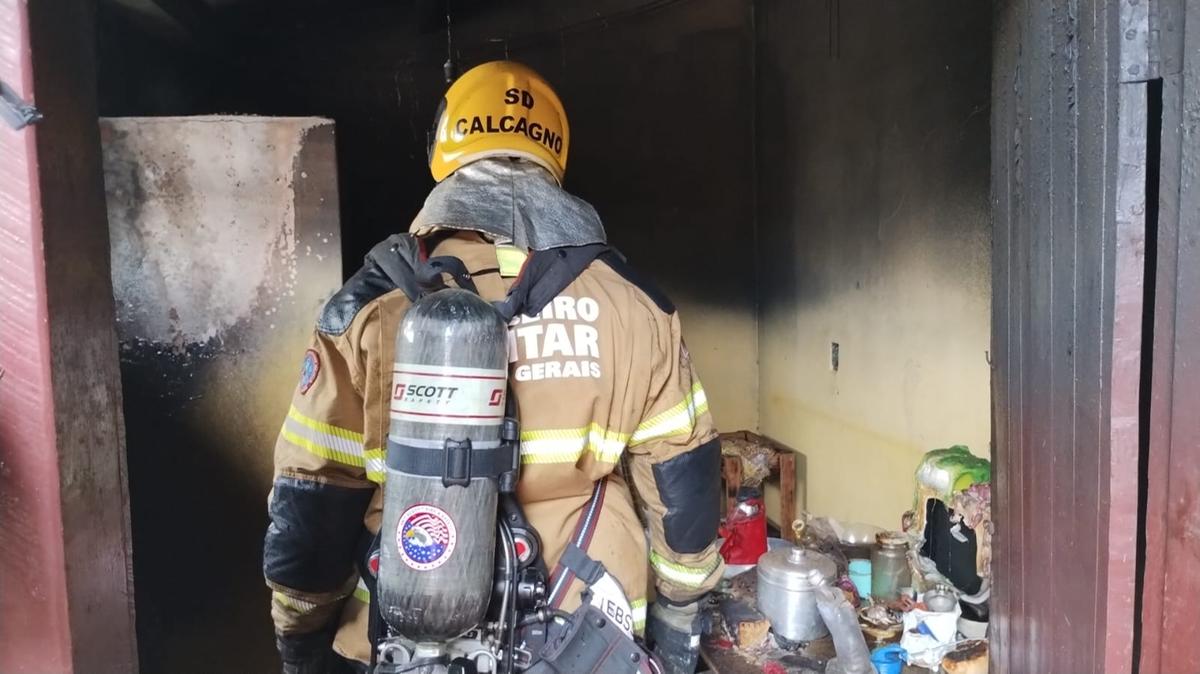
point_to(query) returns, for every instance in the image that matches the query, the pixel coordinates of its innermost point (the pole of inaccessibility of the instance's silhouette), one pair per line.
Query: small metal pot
(786, 580)
(940, 599)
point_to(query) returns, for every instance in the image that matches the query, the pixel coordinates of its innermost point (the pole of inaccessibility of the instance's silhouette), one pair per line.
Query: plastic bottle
(852, 654)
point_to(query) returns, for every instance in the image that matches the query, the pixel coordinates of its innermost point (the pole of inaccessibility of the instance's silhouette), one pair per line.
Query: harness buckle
(457, 471)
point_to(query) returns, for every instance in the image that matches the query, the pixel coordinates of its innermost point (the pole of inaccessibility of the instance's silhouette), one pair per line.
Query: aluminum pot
(786, 580)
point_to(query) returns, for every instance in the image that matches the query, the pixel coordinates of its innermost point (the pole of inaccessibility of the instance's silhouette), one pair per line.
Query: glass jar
(889, 565)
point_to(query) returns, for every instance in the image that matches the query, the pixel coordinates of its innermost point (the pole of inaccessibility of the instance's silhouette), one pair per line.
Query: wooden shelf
(783, 467)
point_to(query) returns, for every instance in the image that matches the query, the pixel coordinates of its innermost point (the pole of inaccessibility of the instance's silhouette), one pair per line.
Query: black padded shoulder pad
(389, 266)
(398, 256)
(617, 262)
(367, 283)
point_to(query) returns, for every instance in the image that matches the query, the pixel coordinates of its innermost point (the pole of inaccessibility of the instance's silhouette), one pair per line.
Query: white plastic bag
(929, 635)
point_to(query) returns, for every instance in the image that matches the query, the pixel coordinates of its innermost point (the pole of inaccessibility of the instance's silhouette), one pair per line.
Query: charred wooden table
(721, 656)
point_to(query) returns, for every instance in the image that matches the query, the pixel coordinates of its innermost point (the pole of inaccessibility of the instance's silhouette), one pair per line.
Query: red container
(745, 530)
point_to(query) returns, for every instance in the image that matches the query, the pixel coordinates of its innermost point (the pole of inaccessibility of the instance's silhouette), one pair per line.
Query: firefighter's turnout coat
(606, 392)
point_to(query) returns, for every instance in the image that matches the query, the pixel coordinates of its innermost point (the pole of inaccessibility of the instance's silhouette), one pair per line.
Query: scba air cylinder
(438, 536)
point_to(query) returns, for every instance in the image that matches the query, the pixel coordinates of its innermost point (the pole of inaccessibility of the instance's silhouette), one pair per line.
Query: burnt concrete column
(225, 244)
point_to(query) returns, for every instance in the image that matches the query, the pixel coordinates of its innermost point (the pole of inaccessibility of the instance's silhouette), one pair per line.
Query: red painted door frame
(1170, 618)
(66, 587)
(1069, 129)
(33, 597)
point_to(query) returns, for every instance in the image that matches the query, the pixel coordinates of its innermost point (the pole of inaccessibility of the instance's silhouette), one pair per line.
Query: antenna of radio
(448, 66)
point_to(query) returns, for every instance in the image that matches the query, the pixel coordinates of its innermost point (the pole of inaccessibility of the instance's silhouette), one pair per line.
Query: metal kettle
(786, 580)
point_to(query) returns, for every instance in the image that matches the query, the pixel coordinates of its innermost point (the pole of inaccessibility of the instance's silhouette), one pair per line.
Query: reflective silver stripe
(322, 439)
(639, 613)
(375, 465)
(567, 445)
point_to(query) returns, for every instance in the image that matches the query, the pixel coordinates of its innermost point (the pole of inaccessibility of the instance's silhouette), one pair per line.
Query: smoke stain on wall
(225, 246)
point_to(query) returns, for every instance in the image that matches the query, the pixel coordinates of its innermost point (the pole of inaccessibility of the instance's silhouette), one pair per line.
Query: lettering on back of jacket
(562, 341)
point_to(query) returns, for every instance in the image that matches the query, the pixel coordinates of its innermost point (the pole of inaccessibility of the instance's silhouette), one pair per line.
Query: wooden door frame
(1069, 199)
(1170, 631)
(66, 585)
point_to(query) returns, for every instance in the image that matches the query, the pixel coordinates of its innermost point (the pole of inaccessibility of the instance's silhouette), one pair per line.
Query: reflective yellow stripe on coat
(639, 615)
(678, 420)
(361, 592)
(332, 443)
(566, 445)
(687, 576)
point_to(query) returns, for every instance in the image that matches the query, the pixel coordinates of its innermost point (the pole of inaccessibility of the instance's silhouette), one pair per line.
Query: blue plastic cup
(888, 659)
(860, 575)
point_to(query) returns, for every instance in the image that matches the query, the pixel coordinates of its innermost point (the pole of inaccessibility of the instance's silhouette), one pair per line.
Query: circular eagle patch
(309, 370)
(425, 537)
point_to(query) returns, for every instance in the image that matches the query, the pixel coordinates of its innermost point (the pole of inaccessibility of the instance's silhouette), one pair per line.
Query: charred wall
(794, 174)
(659, 96)
(144, 71)
(872, 145)
(224, 246)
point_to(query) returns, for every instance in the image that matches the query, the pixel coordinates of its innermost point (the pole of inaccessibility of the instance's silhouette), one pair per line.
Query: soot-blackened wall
(872, 136)
(660, 100)
(224, 238)
(659, 97)
(793, 173)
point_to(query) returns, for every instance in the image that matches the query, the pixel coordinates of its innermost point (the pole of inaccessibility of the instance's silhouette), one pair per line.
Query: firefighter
(614, 421)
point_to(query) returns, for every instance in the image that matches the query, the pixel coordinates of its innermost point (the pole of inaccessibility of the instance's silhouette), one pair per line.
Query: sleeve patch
(309, 370)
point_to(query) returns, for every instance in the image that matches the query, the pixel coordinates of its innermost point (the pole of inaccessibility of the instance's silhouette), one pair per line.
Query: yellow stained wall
(873, 233)
(910, 379)
(723, 342)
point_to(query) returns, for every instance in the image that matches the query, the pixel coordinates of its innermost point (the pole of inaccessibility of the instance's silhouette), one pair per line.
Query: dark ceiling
(213, 24)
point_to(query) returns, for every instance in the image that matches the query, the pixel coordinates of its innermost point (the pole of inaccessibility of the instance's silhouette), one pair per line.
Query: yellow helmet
(499, 109)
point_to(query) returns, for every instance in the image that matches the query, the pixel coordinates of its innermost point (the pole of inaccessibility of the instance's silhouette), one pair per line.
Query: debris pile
(918, 596)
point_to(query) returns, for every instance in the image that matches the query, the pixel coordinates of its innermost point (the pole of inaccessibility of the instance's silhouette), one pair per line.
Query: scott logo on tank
(424, 392)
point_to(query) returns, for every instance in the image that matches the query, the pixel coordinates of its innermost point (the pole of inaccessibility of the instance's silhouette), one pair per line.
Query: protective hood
(513, 202)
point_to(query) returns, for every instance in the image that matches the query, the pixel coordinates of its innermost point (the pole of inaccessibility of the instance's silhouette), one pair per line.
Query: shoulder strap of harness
(396, 263)
(546, 274)
(575, 561)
